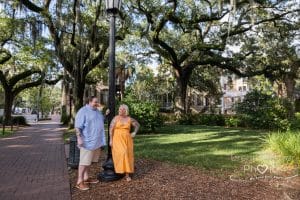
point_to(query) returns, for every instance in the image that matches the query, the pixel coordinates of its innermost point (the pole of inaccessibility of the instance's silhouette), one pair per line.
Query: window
(240, 89)
(244, 88)
(225, 86)
(206, 101)
(199, 101)
(232, 99)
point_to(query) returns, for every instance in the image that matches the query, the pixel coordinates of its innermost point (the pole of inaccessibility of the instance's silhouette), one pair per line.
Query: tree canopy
(190, 34)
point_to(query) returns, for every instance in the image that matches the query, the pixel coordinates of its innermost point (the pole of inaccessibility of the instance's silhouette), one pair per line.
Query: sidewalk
(33, 164)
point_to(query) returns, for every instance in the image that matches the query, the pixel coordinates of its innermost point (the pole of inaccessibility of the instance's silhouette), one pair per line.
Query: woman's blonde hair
(125, 107)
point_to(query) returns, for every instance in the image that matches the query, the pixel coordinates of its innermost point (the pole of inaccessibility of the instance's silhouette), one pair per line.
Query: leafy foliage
(295, 124)
(263, 111)
(202, 119)
(194, 34)
(16, 120)
(145, 112)
(287, 145)
(234, 121)
(44, 98)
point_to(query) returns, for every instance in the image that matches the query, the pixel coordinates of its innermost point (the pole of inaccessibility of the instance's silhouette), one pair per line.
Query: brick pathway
(33, 164)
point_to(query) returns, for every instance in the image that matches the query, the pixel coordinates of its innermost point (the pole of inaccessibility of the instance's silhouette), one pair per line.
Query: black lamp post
(112, 8)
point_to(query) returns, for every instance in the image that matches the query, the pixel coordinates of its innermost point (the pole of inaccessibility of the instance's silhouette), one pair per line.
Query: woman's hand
(133, 134)
(107, 112)
(110, 143)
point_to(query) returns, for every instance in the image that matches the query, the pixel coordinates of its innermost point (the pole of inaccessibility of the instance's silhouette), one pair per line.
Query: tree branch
(3, 80)
(6, 57)
(238, 30)
(36, 83)
(16, 78)
(74, 22)
(31, 6)
(94, 62)
(47, 3)
(24, 86)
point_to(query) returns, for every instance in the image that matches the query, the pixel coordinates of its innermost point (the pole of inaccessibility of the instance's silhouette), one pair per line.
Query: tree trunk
(78, 93)
(290, 87)
(290, 83)
(64, 92)
(182, 79)
(8, 103)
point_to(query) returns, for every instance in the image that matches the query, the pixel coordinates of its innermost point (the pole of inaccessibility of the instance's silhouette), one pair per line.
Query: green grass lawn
(201, 146)
(7, 132)
(206, 147)
(67, 134)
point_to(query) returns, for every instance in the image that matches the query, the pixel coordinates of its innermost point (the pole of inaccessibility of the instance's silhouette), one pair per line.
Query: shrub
(146, 113)
(17, 120)
(263, 111)
(297, 105)
(202, 119)
(21, 120)
(233, 121)
(168, 117)
(295, 124)
(185, 119)
(286, 145)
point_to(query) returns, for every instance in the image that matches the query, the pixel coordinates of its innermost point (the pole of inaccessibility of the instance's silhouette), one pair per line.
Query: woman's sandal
(82, 186)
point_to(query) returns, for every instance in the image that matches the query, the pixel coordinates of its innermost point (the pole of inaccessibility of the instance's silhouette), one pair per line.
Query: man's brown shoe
(92, 181)
(82, 186)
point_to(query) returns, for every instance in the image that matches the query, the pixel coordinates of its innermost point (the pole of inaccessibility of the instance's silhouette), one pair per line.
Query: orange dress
(122, 148)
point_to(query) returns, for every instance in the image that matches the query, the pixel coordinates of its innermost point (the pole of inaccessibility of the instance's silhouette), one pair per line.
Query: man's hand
(79, 142)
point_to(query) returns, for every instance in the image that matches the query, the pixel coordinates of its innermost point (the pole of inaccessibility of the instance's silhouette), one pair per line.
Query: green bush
(234, 121)
(17, 120)
(186, 119)
(21, 120)
(146, 113)
(286, 145)
(297, 105)
(263, 111)
(295, 124)
(202, 119)
(168, 117)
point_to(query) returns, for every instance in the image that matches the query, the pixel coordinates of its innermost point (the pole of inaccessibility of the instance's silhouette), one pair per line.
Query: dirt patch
(158, 180)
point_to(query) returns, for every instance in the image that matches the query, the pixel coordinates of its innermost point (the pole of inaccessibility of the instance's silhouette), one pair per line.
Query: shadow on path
(33, 164)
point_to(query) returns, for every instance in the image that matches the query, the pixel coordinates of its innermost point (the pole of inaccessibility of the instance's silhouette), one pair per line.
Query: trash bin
(74, 153)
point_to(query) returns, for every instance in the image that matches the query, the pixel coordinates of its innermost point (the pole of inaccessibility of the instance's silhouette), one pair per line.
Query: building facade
(234, 90)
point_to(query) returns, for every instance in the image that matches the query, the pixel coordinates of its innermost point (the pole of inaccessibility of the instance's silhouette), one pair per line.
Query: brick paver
(33, 164)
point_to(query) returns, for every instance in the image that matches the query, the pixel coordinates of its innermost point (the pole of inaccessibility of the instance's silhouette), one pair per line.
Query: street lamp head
(113, 6)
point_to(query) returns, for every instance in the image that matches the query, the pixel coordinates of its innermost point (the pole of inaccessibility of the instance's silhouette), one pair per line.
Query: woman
(121, 141)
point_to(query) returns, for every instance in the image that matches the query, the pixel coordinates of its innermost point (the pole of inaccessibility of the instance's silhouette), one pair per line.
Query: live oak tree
(22, 72)
(192, 34)
(23, 64)
(79, 31)
(276, 46)
(6, 35)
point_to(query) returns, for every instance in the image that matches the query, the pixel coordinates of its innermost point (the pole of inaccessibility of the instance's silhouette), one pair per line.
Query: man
(89, 125)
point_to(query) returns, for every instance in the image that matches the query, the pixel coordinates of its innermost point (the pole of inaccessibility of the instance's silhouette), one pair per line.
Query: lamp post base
(108, 174)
